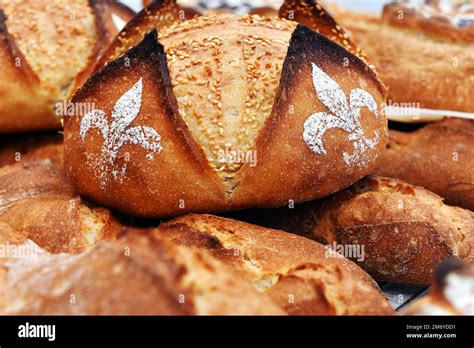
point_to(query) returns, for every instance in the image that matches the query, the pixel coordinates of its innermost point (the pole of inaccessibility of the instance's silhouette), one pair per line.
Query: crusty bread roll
(406, 231)
(451, 294)
(439, 157)
(423, 54)
(47, 49)
(230, 109)
(32, 147)
(37, 201)
(134, 275)
(298, 274)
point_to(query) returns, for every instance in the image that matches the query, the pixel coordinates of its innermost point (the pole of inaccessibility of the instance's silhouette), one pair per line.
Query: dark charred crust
(308, 43)
(151, 53)
(143, 22)
(149, 50)
(313, 15)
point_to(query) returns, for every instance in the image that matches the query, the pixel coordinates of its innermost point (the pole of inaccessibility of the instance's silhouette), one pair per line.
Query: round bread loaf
(224, 112)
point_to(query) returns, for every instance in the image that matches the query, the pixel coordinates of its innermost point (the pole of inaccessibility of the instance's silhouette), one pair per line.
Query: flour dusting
(118, 133)
(344, 115)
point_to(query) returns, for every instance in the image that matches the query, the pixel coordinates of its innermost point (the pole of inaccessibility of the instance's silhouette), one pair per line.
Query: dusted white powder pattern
(344, 115)
(118, 133)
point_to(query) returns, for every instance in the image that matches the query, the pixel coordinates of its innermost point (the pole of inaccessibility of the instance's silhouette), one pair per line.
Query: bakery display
(422, 50)
(37, 67)
(128, 276)
(38, 201)
(404, 231)
(452, 292)
(295, 272)
(439, 157)
(272, 115)
(182, 126)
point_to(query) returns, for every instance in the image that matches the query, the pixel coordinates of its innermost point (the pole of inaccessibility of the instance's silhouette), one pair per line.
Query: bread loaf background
(38, 201)
(134, 275)
(37, 65)
(406, 231)
(424, 59)
(298, 274)
(439, 157)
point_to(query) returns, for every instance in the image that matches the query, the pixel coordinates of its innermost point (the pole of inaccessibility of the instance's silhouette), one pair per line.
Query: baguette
(439, 157)
(425, 56)
(295, 272)
(406, 231)
(39, 202)
(451, 294)
(238, 87)
(37, 65)
(136, 275)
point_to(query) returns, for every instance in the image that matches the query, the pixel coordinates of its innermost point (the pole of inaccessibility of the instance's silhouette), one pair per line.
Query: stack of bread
(275, 124)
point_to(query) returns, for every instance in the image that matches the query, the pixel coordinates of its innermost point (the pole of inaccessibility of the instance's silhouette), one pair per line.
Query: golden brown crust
(37, 201)
(421, 70)
(180, 175)
(19, 87)
(295, 272)
(134, 275)
(439, 157)
(32, 147)
(406, 231)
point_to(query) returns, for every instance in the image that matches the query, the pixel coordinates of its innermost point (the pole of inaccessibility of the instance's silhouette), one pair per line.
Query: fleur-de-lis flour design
(343, 115)
(118, 133)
